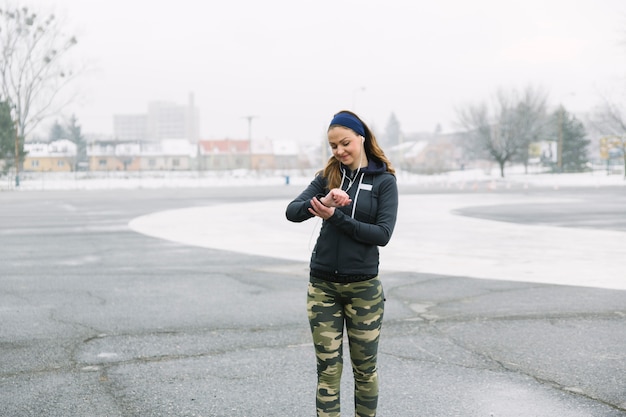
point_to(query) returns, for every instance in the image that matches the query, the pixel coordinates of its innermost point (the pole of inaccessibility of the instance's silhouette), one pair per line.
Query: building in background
(286, 154)
(223, 154)
(163, 155)
(132, 127)
(56, 156)
(164, 120)
(168, 155)
(262, 155)
(114, 156)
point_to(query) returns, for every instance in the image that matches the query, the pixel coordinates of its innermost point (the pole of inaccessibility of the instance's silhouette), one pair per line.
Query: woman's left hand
(320, 210)
(336, 198)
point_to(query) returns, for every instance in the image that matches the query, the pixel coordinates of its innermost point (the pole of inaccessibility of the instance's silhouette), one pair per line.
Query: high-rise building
(130, 127)
(164, 120)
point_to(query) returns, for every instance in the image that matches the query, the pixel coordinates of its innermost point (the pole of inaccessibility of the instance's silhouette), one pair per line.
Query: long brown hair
(332, 170)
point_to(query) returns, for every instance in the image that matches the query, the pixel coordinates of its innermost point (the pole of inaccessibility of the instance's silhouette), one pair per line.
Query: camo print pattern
(360, 305)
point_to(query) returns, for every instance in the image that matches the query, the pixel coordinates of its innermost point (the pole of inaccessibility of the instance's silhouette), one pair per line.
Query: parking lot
(177, 302)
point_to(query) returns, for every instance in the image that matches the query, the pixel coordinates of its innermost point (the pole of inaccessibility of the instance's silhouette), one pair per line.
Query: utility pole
(250, 118)
(559, 148)
(250, 126)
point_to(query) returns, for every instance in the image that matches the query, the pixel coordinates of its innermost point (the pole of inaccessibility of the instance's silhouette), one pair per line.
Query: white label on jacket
(367, 187)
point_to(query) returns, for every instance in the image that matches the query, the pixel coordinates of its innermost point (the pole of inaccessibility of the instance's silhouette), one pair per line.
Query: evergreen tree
(57, 132)
(7, 138)
(392, 131)
(74, 133)
(575, 144)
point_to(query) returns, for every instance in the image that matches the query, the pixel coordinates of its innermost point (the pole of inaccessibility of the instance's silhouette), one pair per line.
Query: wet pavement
(99, 320)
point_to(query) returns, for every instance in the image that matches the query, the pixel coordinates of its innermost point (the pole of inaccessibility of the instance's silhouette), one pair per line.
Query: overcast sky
(294, 63)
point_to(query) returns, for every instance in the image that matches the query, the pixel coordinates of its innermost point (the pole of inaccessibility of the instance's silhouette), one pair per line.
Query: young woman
(357, 198)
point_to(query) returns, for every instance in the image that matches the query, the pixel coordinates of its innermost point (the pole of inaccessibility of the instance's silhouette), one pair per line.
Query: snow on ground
(468, 179)
(428, 238)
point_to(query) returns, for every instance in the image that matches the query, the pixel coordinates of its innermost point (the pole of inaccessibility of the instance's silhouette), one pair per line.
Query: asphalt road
(97, 320)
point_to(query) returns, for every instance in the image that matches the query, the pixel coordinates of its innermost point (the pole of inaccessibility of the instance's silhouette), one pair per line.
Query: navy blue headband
(349, 121)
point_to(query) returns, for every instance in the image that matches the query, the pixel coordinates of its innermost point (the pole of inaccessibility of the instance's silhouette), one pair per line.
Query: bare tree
(610, 122)
(33, 65)
(532, 120)
(504, 134)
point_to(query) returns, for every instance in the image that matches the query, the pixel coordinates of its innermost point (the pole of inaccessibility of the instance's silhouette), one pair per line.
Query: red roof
(225, 146)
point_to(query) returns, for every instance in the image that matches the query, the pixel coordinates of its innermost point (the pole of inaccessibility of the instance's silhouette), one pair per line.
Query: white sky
(295, 63)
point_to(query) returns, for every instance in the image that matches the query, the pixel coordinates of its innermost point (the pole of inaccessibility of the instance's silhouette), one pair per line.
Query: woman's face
(347, 146)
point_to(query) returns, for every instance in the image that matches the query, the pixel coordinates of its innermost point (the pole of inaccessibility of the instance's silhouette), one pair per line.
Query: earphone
(362, 139)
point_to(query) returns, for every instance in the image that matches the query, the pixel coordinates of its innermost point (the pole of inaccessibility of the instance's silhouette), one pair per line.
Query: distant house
(408, 155)
(129, 155)
(168, 154)
(286, 154)
(262, 155)
(173, 155)
(438, 153)
(56, 156)
(225, 154)
(102, 156)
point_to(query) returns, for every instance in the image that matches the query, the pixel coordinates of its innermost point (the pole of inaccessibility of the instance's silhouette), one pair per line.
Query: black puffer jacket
(348, 241)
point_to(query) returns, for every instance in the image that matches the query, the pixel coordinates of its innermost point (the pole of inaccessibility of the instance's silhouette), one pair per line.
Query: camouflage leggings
(360, 306)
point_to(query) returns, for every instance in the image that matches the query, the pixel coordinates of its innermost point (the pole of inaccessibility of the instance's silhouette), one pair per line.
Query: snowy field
(470, 179)
(429, 237)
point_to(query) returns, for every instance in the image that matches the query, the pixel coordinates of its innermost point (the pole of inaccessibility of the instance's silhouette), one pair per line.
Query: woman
(357, 198)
